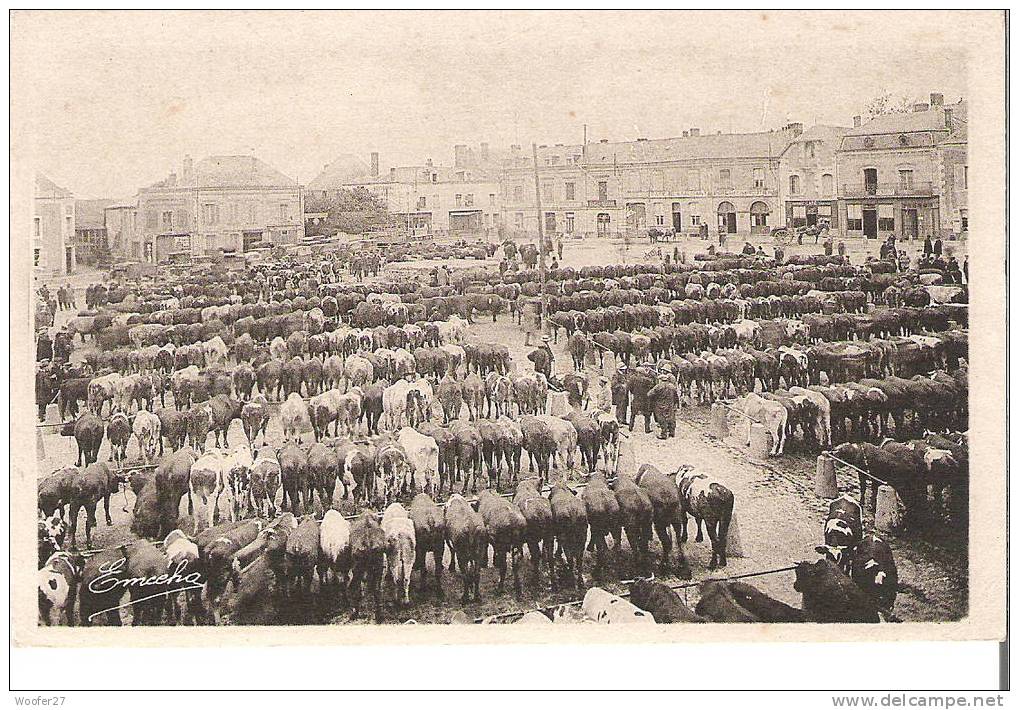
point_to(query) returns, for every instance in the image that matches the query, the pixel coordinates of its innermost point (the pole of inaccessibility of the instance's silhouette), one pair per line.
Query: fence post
(719, 420)
(888, 511)
(733, 542)
(760, 441)
(825, 483)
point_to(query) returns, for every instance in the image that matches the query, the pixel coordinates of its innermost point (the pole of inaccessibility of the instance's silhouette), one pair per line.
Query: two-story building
(90, 238)
(53, 228)
(435, 199)
(728, 181)
(807, 177)
(891, 172)
(224, 204)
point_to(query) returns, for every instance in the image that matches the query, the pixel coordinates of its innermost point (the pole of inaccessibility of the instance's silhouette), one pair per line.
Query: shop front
(807, 213)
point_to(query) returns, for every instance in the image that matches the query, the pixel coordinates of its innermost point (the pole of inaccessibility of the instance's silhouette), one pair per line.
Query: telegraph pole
(541, 243)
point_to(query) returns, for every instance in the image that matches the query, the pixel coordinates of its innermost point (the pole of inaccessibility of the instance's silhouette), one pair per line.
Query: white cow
(423, 454)
(208, 482)
(147, 429)
(294, 416)
(334, 541)
(394, 404)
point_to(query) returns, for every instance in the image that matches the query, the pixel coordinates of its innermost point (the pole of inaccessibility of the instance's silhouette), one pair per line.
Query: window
(794, 184)
(724, 178)
(518, 220)
(546, 190)
(458, 199)
(854, 218)
(693, 180)
(36, 227)
(469, 200)
(284, 213)
(571, 191)
(870, 181)
(168, 220)
(435, 177)
(68, 226)
(569, 222)
(906, 179)
(491, 199)
(253, 213)
(518, 193)
(808, 150)
(659, 219)
(827, 184)
(210, 213)
(695, 220)
(422, 202)
(963, 219)
(961, 176)
(603, 190)
(758, 177)
(886, 218)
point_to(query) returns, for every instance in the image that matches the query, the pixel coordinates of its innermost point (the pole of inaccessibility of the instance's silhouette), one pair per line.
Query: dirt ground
(778, 518)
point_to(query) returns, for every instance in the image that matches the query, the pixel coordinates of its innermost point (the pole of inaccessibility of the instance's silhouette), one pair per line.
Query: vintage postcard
(589, 326)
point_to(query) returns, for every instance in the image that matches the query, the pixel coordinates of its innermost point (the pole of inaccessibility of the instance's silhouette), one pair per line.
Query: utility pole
(541, 242)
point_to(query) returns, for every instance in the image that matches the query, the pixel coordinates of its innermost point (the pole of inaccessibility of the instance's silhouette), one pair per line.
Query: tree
(885, 103)
(352, 211)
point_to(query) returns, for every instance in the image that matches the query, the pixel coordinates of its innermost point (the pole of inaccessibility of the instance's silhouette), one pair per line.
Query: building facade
(90, 236)
(224, 204)
(121, 220)
(729, 182)
(460, 200)
(53, 223)
(904, 174)
(807, 178)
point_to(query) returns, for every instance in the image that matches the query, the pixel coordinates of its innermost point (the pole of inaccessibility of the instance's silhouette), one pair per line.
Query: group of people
(932, 259)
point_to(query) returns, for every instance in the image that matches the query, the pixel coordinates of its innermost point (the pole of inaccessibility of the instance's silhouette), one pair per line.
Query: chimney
(428, 162)
(187, 174)
(694, 132)
(948, 118)
(375, 164)
(796, 128)
(937, 100)
(857, 121)
(604, 140)
(686, 134)
(460, 156)
(920, 108)
(484, 152)
(641, 140)
(392, 174)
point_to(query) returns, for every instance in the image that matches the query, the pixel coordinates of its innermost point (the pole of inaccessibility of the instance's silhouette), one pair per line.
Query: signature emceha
(168, 583)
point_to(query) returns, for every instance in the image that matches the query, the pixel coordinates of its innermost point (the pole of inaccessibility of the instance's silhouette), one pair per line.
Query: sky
(106, 102)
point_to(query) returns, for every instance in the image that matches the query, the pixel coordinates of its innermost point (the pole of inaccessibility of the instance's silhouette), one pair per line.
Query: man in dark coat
(928, 246)
(937, 246)
(43, 347)
(620, 393)
(664, 401)
(640, 381)
(542, 358)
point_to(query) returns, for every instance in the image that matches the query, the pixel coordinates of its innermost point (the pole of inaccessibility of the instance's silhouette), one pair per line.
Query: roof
(719, 145)
(933, 119)
(822, 133)
(239, 171)
(346, 168)
(47, 189)
(90, 214)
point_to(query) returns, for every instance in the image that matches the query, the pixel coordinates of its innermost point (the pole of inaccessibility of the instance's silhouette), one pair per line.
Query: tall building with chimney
(53, 228)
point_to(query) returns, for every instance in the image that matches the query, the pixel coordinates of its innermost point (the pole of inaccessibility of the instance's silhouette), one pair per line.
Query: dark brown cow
(636, 515)
(569, 520)
(467, 539)
(663, 603)
(664, 495)
(831, 597)
(540, 532)
(603, 517)
(367, 554)
(429, 535)
(506, 528)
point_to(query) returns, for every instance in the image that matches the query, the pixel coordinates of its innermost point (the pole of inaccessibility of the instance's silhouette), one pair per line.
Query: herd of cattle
(386, 403)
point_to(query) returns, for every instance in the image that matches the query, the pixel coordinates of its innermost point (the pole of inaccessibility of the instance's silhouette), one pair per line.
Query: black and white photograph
(559, 321)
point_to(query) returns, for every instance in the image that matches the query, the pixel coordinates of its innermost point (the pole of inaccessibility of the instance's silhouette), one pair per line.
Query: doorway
(870, 223)
(726, 218)
(677, 218)
(910, 224)
(870, 181)
(69, 260)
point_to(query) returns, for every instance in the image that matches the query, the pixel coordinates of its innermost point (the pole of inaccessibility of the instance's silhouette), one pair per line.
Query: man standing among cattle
(620, 393)
(543, 359)
(664, 401)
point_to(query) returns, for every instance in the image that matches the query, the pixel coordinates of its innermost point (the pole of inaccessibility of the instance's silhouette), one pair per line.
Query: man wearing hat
(641, 380)
(620, 393)
(664, 400)
(542, 358)
(602, 397)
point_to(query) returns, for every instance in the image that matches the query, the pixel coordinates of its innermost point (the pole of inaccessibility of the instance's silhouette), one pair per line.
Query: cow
(665, 501)
(238, 465)
(199, 422)
(429, 536)
(172, 428)
(293, 473)
(762, 606)
(709, 501)
(468, 453)
(589, 437)
(323, 464)
(55, 491)
(118, 429)
(423, 454)
(663, 603)
(217, 547)
(301, 556)
(830, 596)
(255, 418)
(540, 444)
(718, 604)
(636, 516)
(498, 394)
(367, 552)
(394, 404)
(467, 540)
(294, 417)
(147, 429)
(97, 481)
(474, 395)
(265, 481)
(874, 571)
(58, 587)
(843, 530)
(773, 415)
(569, 521)
(400, 550)
(88, 431)
(603, 517)
(540, 531)
(393, 469)
(208, 482)
(506, 528)
(334, 546)
(182, 554)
